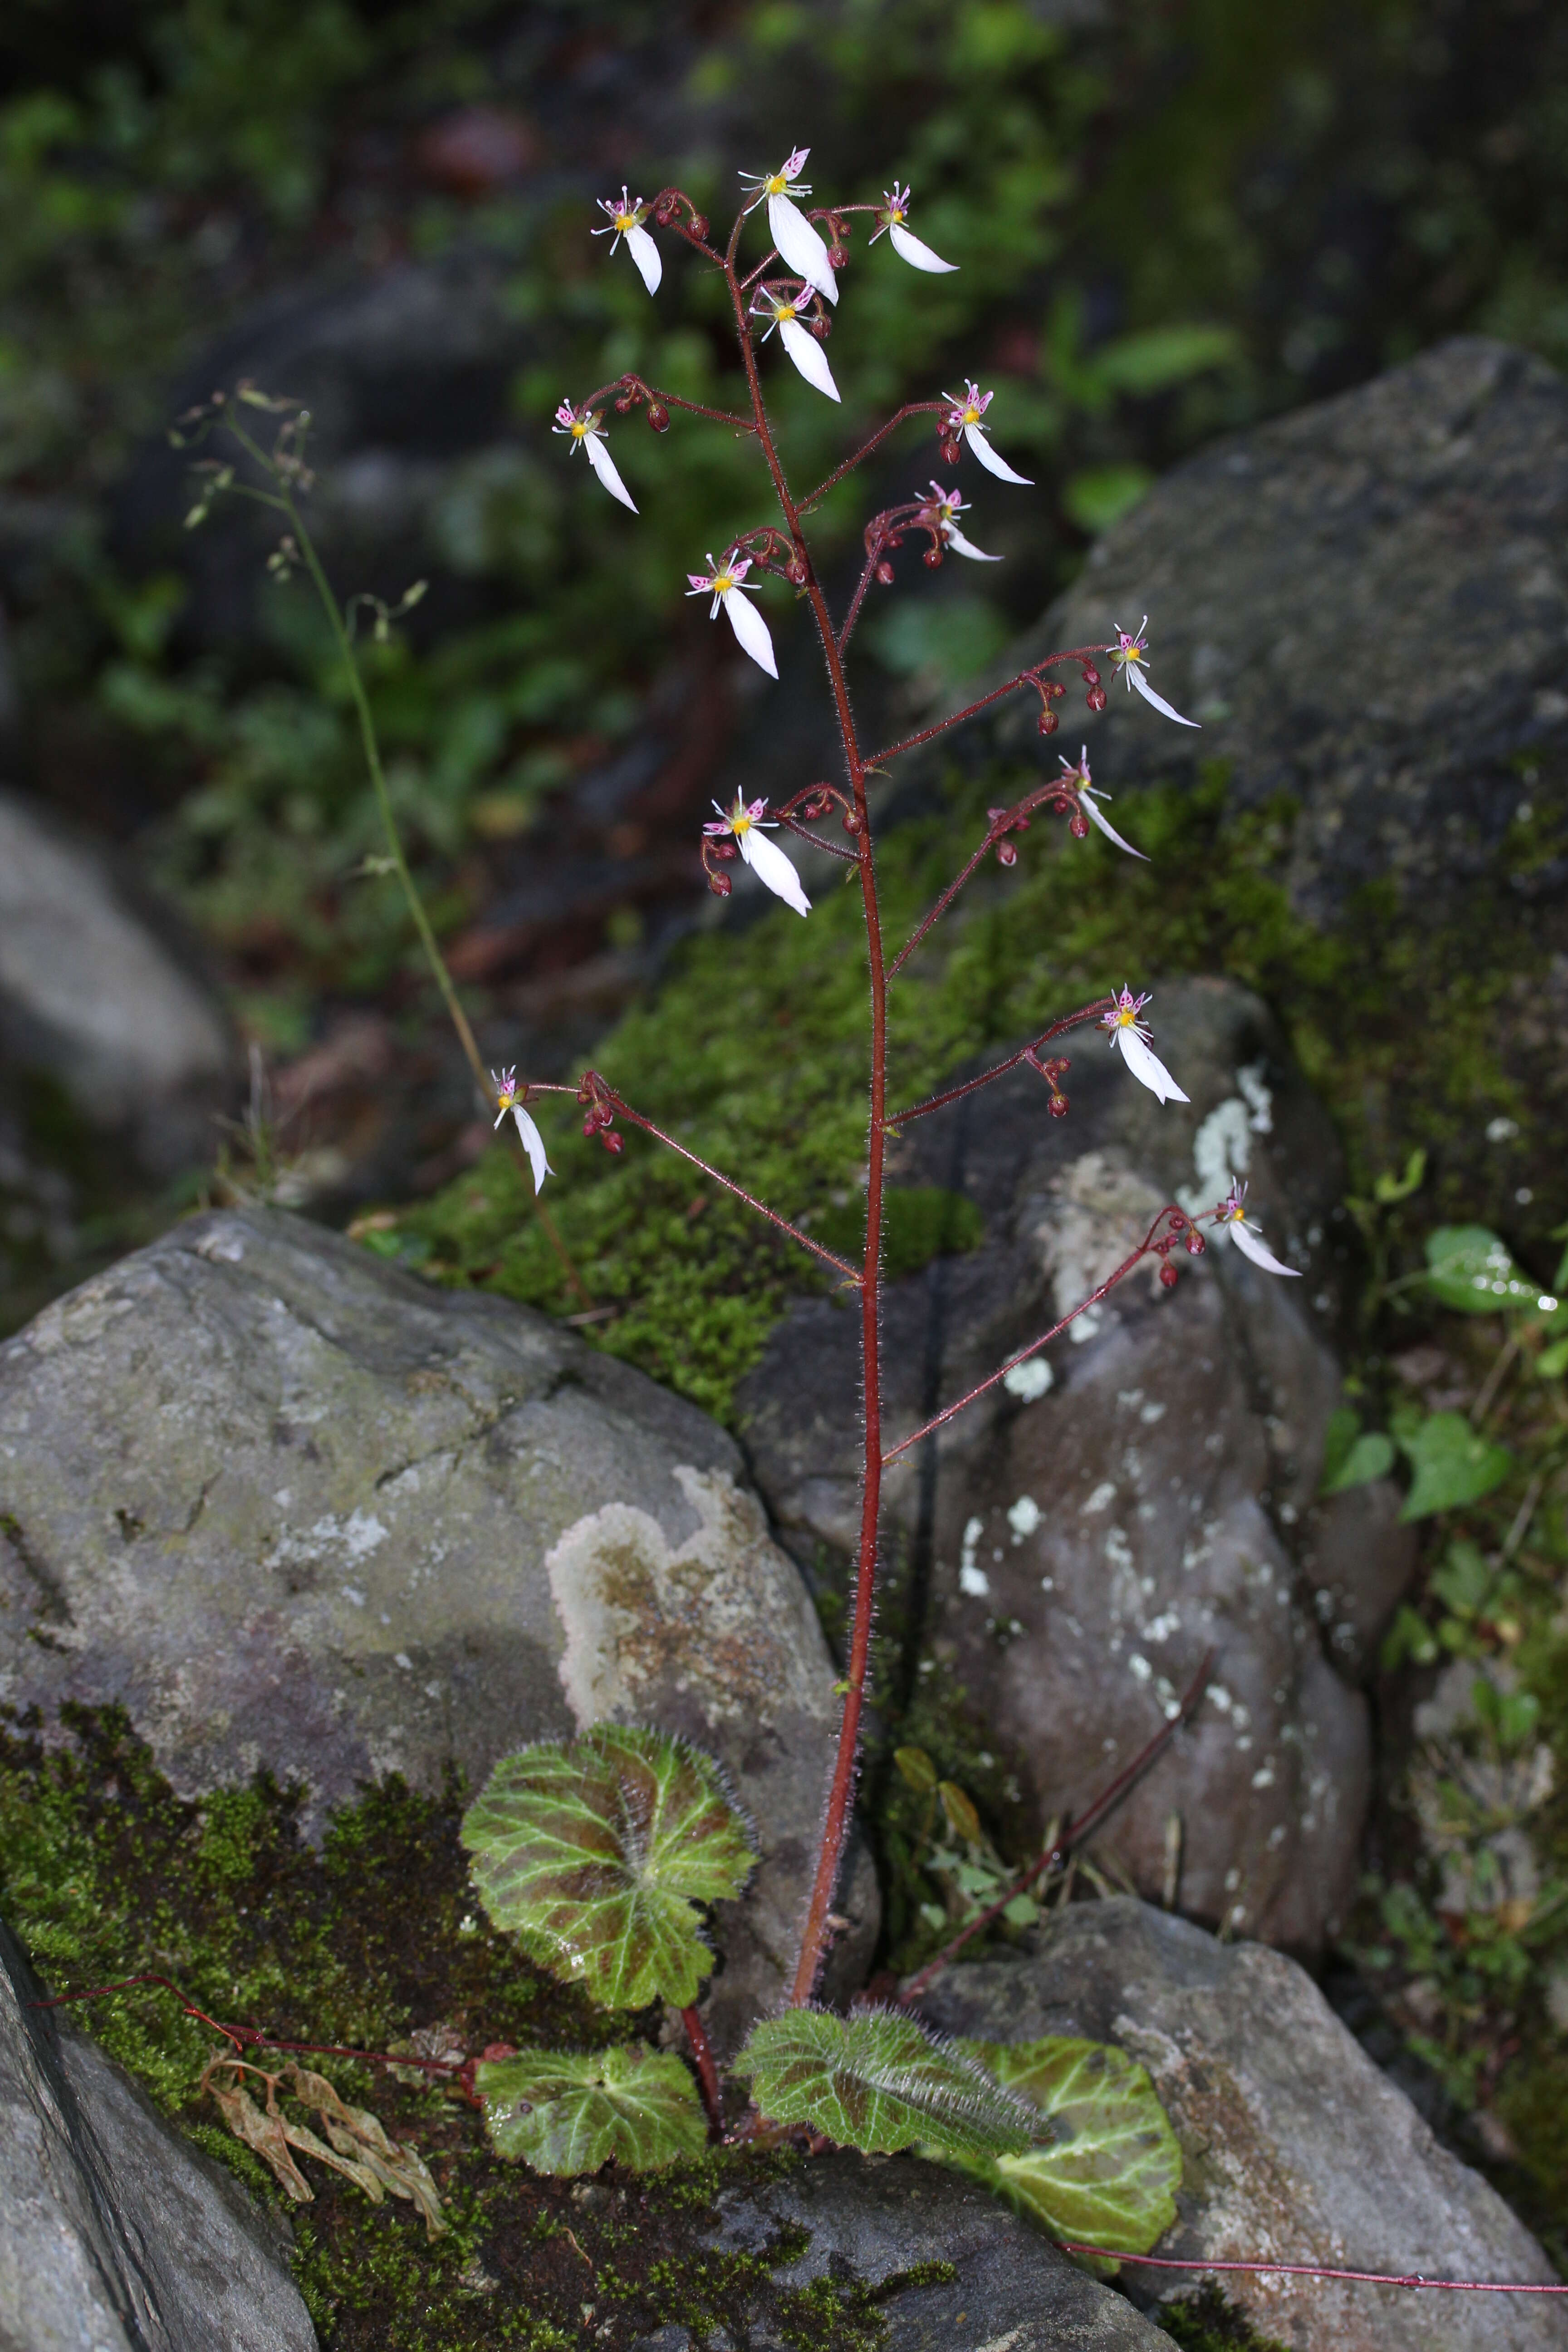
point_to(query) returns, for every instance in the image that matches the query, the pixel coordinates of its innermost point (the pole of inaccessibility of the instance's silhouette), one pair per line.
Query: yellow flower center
(896, 213)
(739, 823)
(972, 414)
(1126, 1018)
(776, 185)
(581, 424)
(625, 221)
(722, 580)
(787, 310)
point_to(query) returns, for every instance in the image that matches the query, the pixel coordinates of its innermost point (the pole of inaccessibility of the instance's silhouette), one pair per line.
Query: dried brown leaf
(265, 2133)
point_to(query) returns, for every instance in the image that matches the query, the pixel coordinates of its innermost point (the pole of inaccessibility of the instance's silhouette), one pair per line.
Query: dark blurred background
(1172, 219)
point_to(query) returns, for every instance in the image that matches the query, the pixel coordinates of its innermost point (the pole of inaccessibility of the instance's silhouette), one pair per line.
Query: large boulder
(293, 1509)
(1296, 2148)
(886, 2223)
(116, 2235)
(1145, 1495)
(1363, 603)
(101, 997)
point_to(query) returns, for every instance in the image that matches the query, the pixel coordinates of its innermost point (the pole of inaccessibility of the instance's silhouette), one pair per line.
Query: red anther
(1090, 675)
(885, 573)
(1047, 722)
(949, 450)
(1168, 1276)
(619, 1142)
(700, 226)
(720, 885)
(658, 417)
(1078, 827)
(1195, 1243)
(1059, 1105)
(1095, 698)
(1006, 854)
(851, 820)
(931, 557)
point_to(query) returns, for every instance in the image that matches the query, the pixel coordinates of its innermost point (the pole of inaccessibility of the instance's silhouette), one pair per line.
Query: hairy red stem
(706, 2071)
(1074, 1834)
(1000, 1069)
(940, 726)
(1319, 2270)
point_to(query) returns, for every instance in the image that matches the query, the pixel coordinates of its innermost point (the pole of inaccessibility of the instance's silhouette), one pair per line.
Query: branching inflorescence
(785, 301)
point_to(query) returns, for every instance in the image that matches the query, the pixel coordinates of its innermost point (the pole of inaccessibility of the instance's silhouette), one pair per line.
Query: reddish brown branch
(1025, 677)
(1180, 1224)
(706, 2071)
(640, 390)
(1319, 2270)
(1072, 1835)
(1004, 822)
(909, 408)
(1000, 1069)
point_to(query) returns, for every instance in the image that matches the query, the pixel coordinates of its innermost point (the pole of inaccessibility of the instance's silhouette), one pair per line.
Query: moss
(1206, 2322)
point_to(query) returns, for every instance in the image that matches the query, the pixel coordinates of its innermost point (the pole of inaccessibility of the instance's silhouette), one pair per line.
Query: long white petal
(962, 546)
(1149, 694)
(808, 356)
(1086, 802)
(647, 255)
(533, 1144)
(991, 461)
(800, 246)
(750, 628)
(1147, 1067)
(918, 256)
(1254, 1246)
(772, 869)
(607, 470)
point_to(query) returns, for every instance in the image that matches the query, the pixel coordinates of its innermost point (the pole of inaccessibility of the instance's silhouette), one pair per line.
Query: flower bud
(722, 849)
(720, 885)
(1095, 698)
(851, 820)
(821, 328)
(1079, 828)
(795, 573)
(1090, 675)
(624, 404)
(885, 573)
(700, 226)
(1195, 1244)
(1006, 854)
(949, 450)
(1047, 722)
(1167, 1270)
(612, 1142)
(837, 256)
(658, 417)
(931, 557)
(1059, 1105)
(664, 210)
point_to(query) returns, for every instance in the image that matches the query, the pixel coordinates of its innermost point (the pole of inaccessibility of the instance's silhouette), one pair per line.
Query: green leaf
(1554, 1361)
(1453, 1464)
(1162, 356)
(1463, 1582)
(571, 2111)
(916, 1767)
(879, 2082)
(1097, 496)
(1387, 1188)
(1111, 2174)
(594, 1856)
(1469, 1268)
(1369, 1457)
(1409, 1636)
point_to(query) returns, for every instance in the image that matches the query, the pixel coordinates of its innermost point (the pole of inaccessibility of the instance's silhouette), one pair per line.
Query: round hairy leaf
(879, 2082)
(570, 2112)
(1110, 2174)
(595, 1856)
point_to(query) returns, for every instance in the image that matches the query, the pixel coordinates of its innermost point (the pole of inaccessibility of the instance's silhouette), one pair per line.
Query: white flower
(1077, 780)
(1248, 1239)
(723, 580)
(627, 219)
(798, 341)
(1127, 656)
(964, 416)
(1128, 1032)
(587, 428)
(509, 1095)
(765, 858)
(908, 248)
(944, 507)
(793, 234)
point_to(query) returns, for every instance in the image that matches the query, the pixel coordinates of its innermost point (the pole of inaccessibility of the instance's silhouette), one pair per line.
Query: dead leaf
(265, 2134)
(359, 2149)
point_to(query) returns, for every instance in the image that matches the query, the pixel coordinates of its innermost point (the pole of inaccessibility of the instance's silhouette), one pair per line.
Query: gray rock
(875, 2219)
(1364, 604)
(1296, 2147)
(100, 1000)
(116, 2235)
(294, 1509)
(1081, 1548)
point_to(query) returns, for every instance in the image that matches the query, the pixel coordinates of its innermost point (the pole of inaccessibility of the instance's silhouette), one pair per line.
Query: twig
(1000, 1069)
(1320, 2270)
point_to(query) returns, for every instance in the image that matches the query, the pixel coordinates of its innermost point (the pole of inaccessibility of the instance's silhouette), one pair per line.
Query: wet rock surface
(1074, 1546)
(115, 2235)
(889, 2223)
(1363, 604)
(1295, 2146)
(294, 1511)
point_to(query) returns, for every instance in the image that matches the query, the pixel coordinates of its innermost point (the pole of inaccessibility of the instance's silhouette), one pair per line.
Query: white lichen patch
(1029, 1382)
(1023, 1516)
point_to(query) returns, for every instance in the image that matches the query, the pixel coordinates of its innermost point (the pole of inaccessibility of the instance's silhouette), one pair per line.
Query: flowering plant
(595, 1857)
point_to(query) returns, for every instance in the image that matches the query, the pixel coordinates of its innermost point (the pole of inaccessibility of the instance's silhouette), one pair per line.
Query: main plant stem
(841, 1795)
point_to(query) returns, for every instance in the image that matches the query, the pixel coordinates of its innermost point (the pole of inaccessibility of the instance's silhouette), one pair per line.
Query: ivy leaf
(567, 2112)
(1110, 2174)
(1452, 1464)
(1469, 1268)
(879, 2082)
(595, 1856)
